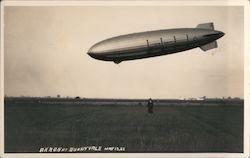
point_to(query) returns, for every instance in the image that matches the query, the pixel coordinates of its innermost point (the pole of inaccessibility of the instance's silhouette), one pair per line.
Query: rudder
(206, 26)
(208, 46)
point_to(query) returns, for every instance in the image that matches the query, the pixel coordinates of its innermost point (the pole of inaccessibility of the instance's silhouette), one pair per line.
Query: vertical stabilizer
(206, 26)
(208, 46)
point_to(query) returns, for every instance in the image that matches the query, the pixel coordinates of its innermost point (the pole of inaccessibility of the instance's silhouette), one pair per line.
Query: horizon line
(145, 98)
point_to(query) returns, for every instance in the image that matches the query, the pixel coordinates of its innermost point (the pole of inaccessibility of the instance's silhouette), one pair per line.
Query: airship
(155, 43)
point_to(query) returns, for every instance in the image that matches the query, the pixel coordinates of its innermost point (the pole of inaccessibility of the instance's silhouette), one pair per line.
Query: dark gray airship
(155, 43)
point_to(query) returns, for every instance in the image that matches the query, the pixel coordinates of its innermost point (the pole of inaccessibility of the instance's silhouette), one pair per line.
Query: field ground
(185, 126)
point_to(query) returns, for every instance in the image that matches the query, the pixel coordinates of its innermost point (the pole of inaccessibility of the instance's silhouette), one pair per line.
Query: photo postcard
(147, 77)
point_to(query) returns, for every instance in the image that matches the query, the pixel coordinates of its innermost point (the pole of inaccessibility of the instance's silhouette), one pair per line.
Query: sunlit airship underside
(155, 43)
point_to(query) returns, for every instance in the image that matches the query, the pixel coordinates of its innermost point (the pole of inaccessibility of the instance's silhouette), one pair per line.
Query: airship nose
(95, 55)
(91, 52)
(96, 51)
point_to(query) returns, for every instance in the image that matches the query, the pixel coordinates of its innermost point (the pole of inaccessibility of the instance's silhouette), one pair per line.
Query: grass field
(194, 126)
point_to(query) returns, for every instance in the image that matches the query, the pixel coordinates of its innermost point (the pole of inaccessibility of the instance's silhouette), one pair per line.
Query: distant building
(201, 98)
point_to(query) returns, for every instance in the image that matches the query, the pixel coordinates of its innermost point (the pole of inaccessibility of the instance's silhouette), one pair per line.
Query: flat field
(175, 126)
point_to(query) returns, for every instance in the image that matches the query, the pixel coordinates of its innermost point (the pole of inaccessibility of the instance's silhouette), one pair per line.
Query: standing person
(150, 106)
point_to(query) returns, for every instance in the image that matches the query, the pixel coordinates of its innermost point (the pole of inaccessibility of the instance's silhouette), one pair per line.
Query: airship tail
(213, 44)
(206, 26)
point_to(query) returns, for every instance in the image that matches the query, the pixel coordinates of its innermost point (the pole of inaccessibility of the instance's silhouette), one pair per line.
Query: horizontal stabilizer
(206, 26)
(208, 46)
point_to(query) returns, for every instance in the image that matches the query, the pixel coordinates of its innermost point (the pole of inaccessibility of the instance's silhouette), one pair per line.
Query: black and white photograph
(102, 78)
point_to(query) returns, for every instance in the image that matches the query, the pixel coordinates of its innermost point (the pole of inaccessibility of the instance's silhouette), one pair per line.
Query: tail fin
(206, 26)
(208, 46)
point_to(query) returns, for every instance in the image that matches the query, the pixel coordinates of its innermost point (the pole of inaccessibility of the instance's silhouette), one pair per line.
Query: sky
(45, 53)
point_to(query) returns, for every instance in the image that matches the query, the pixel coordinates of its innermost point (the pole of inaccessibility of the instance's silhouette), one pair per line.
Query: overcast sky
(45, 53)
